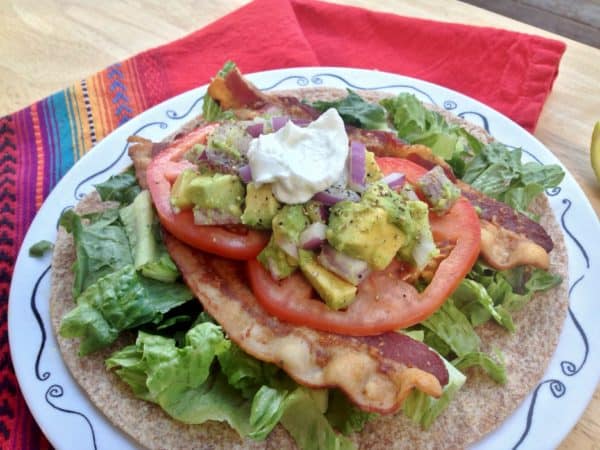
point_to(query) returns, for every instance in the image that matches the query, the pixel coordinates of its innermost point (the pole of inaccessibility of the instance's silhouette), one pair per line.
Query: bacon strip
(377, 373)
(504, 216)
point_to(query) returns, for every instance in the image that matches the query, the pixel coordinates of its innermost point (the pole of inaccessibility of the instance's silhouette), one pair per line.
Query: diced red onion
(313, 236)
(214, 217)
(288, 247)
(395, 180)
(279, 122)
(302, 122)
(350, 269)
(335, 194)
(357, 167)
(256, 129)
(245, 173)
(323, 212)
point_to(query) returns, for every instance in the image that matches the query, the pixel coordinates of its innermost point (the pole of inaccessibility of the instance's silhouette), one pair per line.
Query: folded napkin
(511, 72)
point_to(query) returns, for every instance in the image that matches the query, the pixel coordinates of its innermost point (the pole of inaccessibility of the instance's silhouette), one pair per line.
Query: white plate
(69, 420)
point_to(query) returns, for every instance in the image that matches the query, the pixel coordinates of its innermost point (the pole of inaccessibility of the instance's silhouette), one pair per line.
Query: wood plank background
(575, 19)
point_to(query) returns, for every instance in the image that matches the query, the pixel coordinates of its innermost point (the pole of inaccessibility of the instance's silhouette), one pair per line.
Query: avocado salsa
(360, 223)
(367, 226)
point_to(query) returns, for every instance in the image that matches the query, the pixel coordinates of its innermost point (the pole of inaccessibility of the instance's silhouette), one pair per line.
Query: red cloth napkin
(511, 72)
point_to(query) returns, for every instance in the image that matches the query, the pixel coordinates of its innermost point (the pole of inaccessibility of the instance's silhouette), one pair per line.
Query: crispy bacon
(503, 249)
(377, 373)
(504, 216)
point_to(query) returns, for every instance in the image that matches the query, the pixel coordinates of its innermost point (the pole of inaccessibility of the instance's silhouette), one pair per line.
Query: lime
(595, 150)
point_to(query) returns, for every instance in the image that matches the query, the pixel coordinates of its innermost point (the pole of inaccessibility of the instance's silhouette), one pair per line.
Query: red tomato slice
(384, 301)
(241, 244)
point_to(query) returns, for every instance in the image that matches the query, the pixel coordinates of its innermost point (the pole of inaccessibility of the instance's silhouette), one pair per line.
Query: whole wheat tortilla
(479, 407)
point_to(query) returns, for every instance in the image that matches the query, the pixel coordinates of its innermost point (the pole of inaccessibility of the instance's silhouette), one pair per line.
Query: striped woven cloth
(40, 143)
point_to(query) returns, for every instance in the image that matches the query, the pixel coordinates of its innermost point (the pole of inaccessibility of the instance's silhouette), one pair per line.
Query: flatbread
(479, 407)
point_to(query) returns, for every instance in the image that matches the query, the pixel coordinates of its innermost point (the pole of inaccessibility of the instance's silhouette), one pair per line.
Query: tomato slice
(384, 301)
(234, 243)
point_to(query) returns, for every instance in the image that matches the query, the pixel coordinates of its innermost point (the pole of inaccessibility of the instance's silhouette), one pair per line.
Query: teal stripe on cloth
(63, 133)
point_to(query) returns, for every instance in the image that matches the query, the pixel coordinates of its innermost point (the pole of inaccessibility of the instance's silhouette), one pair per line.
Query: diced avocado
(288, 223)
(313, 211)
(336, 293)
(364, 232)
(261, 206)
(229, 138)
(411, 216)
(218, 191)
(179, 191)
(373, 173)
(420, 247)
(276, 261)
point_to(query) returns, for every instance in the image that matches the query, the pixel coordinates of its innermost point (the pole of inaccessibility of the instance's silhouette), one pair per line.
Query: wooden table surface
(46, 45)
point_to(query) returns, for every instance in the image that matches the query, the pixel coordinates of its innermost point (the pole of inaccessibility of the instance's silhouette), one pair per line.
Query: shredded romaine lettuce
(101, 247)
(356, 111)
(494, 169)
(119, 301)
(423, 409)
(122, 188)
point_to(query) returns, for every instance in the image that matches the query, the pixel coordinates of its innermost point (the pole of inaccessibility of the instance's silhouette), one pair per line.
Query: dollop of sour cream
(298, 161)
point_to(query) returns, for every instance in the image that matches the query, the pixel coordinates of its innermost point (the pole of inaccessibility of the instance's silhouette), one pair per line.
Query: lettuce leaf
(308, 426)
(423, 409)
(475, 302)
(495, 369)
(149, 253)
(419, 125)
(498, 172)
(452, 326)
(356, 111)
(511, 290)
(101, 247)
(495, 169)
(122, 188)
(40, 248)
(119, 301)
(211, 110)
(344, 416)
(180, 379)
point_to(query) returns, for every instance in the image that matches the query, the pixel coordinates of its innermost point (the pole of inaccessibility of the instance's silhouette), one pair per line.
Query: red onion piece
(394, 180)
(245, 173)
(256, 129)
(279, 122)
(288, 247)
(301, 122)
(358, 170)
(313, 236)
(324, 212)
(335, 194)
(350, 269)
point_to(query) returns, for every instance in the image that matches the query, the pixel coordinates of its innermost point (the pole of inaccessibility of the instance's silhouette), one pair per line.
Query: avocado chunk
(220, 192)
(373, 173)
(261, 206)
(411, 217)
(279, 264)
(364, 232)
(288, 223)
(313, 211)
(179, 192)
(336, 293)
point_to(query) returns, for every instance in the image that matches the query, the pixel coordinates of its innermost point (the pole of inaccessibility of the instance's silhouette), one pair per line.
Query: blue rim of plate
(564, 375)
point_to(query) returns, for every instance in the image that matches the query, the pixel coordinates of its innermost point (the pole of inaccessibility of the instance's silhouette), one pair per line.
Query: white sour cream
(300, 162)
